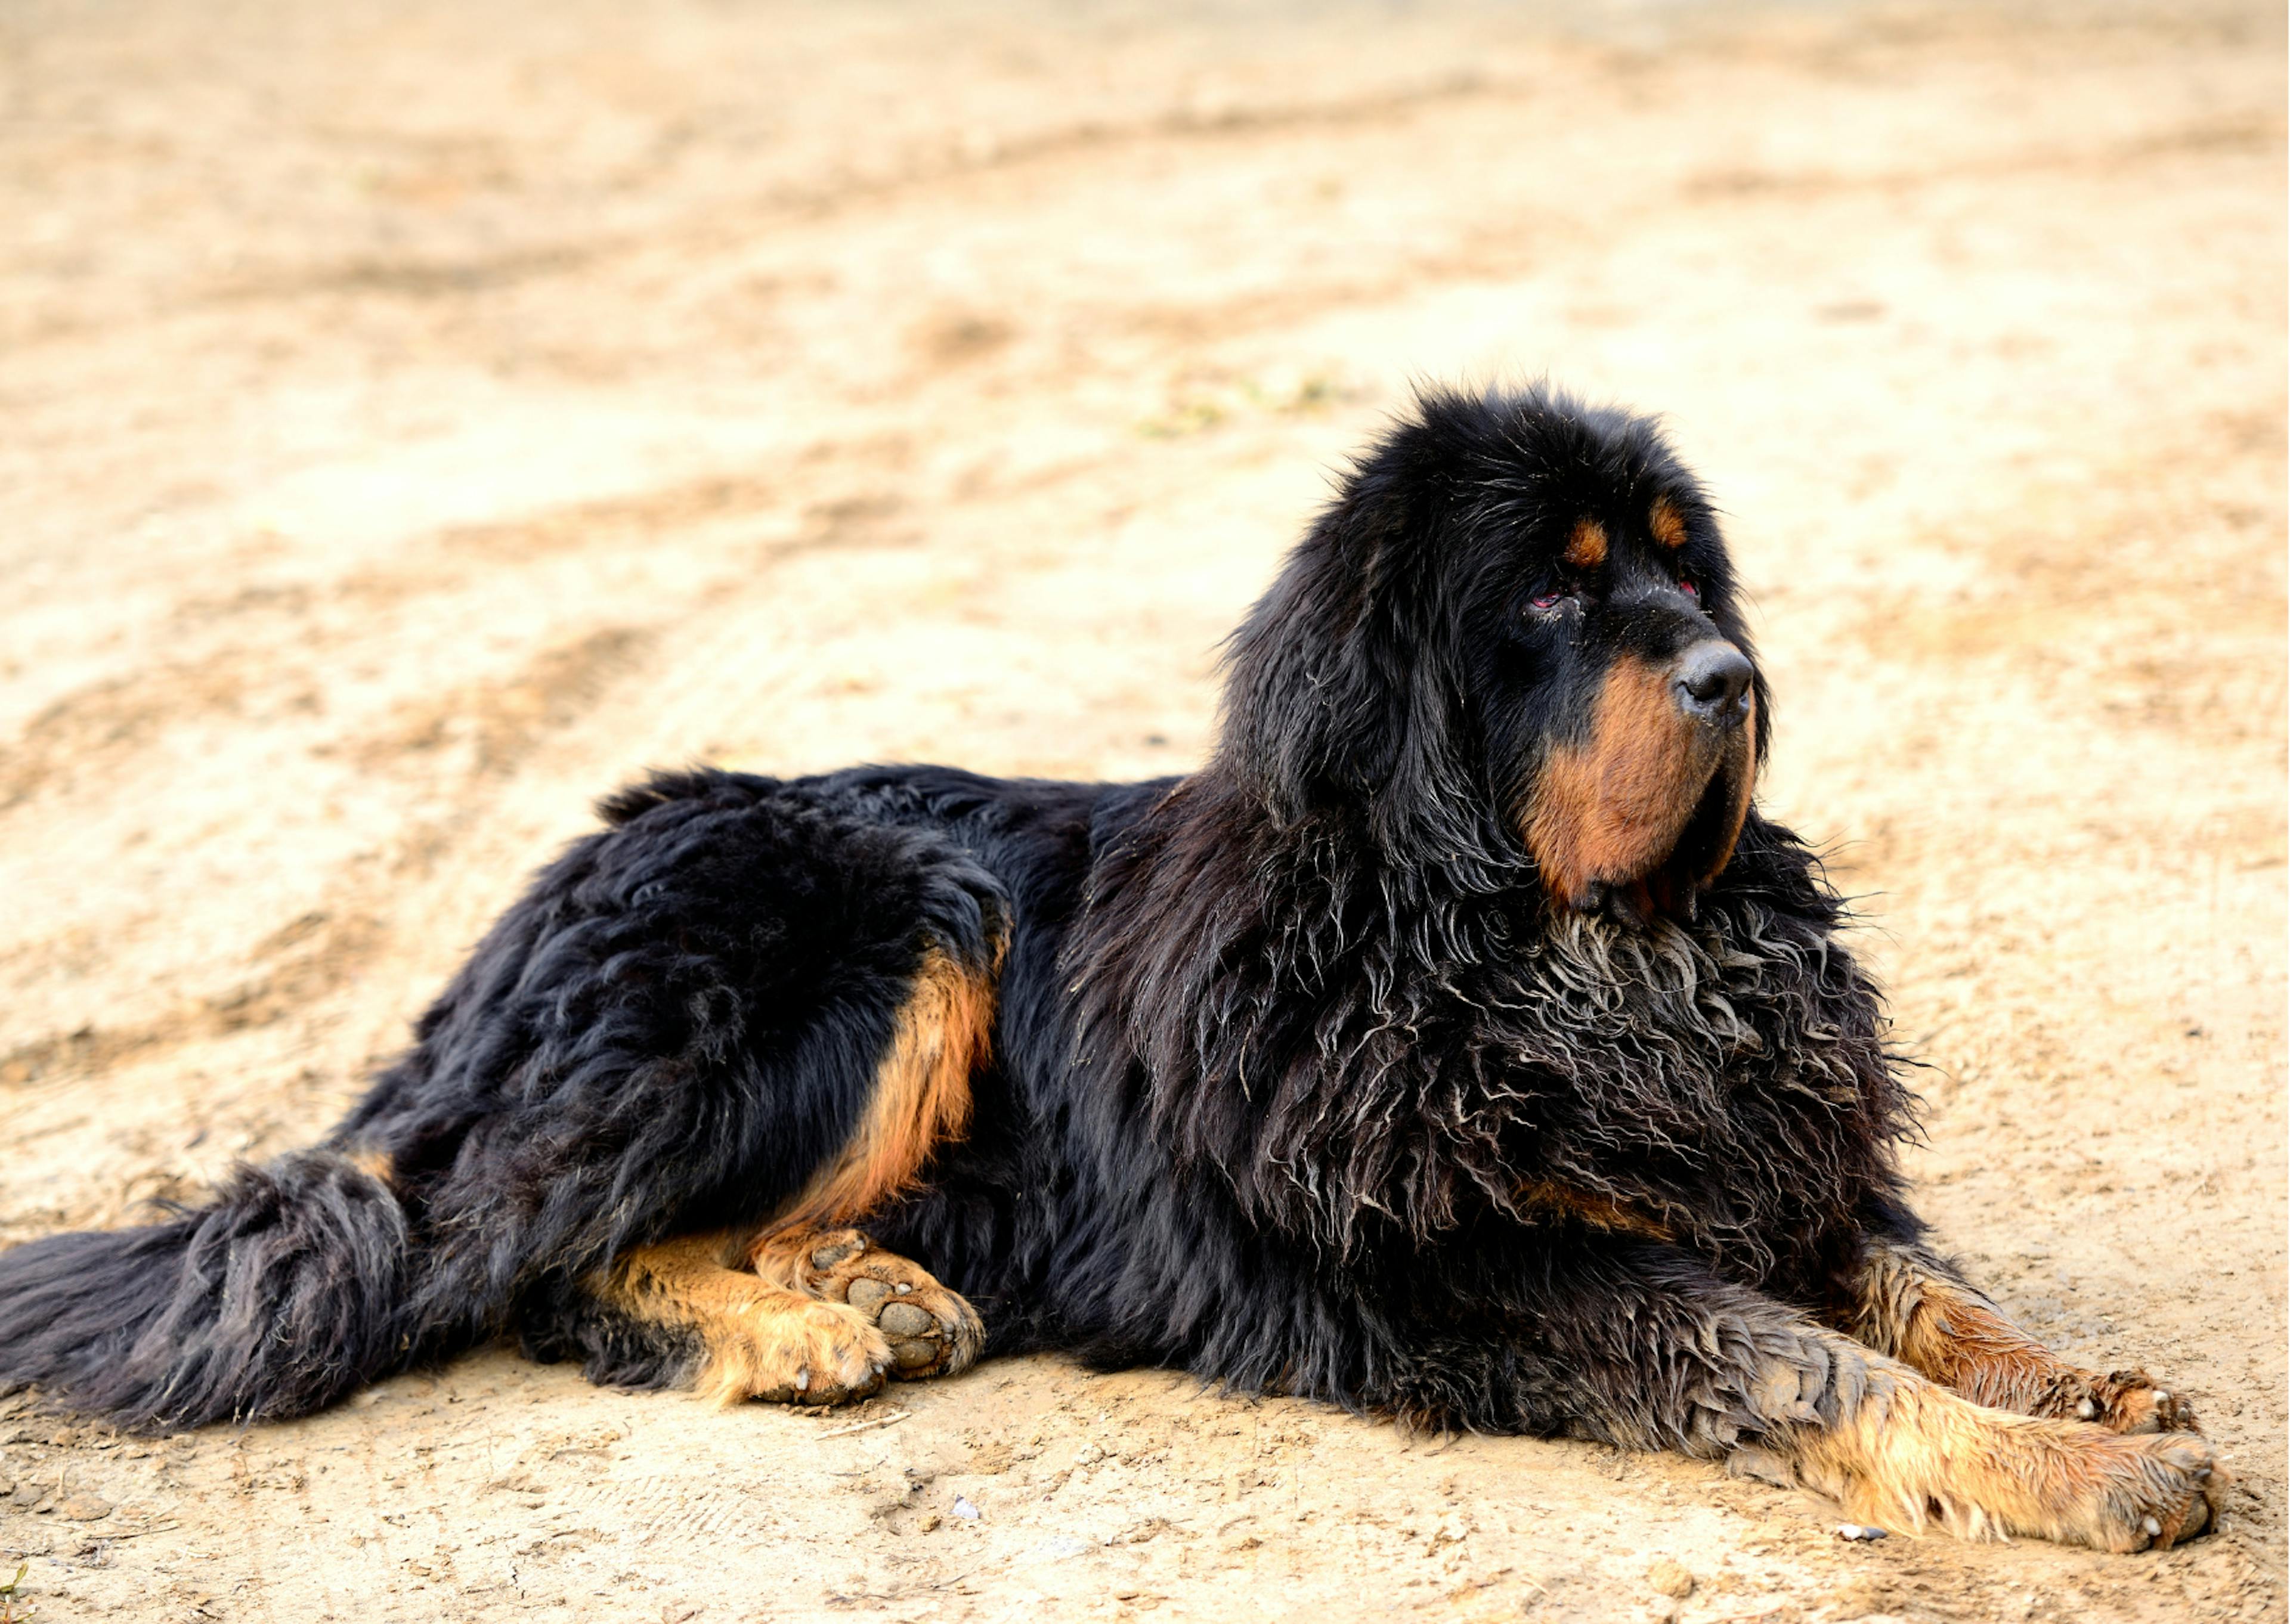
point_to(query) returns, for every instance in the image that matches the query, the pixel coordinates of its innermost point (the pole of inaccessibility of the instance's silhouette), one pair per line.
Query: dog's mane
(1362, 1055)
(1322, 969)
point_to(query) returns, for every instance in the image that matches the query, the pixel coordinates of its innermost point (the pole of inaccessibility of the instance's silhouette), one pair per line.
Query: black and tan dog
(1459, 1044)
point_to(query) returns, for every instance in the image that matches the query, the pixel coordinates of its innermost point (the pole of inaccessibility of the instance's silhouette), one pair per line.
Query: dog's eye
(1548, 600)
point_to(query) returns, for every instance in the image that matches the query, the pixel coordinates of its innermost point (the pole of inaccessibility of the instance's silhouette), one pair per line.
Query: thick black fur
(1290, 1052)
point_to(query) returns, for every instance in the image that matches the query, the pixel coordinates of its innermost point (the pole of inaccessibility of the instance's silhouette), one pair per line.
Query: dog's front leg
(1907, 1302)
(1638, 1344)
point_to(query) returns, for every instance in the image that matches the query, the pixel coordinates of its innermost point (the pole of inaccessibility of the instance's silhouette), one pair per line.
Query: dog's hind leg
(794, 1310)
(802, 1309)
(1907, 1302)
(745, 1007)
(921, 1086)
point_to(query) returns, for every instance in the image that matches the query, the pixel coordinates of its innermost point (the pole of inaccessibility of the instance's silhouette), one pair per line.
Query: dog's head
(1514, 636)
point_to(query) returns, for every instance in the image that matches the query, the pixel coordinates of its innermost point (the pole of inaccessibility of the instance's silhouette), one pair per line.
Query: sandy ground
(420, 417)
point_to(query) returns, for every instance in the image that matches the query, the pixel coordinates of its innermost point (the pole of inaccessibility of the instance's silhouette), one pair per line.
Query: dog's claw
(2121, 1401)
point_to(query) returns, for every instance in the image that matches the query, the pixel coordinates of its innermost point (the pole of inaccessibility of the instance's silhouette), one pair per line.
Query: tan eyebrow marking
(1668, 525)
(1586, 544)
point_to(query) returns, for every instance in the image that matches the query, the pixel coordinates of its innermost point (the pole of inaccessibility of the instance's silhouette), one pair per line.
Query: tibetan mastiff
(1459, 1044)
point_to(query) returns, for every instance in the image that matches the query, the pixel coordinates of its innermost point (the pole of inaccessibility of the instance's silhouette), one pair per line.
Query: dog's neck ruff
(1367, 1056)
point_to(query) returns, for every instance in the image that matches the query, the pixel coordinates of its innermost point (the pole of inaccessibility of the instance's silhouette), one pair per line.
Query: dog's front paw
(2146, 1493)
(2122, 1401)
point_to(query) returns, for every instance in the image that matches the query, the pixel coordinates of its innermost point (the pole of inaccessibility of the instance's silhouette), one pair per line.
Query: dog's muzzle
(1645, 810)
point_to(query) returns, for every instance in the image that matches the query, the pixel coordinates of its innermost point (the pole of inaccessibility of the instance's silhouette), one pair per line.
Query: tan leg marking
(1906, 1453)
(1912, 1307)
(759, 1340)
(932, 1331)
(921, 1098)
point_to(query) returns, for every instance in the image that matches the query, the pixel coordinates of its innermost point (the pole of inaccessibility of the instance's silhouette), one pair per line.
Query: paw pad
(930, 1330)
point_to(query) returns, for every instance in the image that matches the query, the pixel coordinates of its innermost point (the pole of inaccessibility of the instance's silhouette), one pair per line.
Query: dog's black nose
(1713, 683)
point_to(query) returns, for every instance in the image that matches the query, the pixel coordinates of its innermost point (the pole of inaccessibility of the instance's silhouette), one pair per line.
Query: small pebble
(84, 1508)
(1671, 1578)
(931, 1522)
(963, 1509)
(1859, 1532)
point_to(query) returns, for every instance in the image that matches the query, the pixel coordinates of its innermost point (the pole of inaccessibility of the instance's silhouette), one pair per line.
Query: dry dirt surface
(420, 417)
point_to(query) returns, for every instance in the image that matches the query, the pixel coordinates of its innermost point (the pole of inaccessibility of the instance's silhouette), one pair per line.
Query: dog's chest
(1699, 1086)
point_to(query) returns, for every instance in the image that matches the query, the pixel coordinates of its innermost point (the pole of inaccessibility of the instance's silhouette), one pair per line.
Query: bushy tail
(277, 1298)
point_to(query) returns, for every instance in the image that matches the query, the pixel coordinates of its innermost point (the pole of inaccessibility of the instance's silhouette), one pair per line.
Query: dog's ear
(1342, 686)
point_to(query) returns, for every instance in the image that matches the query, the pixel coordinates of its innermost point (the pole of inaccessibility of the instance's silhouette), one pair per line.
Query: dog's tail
(279, 1297)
